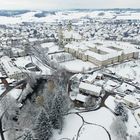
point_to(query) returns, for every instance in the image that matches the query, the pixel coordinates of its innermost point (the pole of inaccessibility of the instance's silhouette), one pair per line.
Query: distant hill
(9, 13)
(44, 14)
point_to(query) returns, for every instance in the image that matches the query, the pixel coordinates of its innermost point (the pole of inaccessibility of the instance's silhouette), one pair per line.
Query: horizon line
(54, 9)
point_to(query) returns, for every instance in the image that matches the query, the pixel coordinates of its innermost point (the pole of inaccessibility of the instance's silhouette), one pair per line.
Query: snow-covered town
(70, 74)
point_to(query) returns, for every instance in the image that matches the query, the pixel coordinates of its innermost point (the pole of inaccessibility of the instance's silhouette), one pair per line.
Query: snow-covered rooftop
(131, 99)
(91, 88)
(9, 66)
(81, 98)
(108, 49)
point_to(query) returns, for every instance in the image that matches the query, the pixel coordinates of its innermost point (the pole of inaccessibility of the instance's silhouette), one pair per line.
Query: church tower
(69, 26)
(60, 35)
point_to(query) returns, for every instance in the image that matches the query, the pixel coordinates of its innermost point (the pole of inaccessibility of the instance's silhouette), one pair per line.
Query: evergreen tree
(121, 111)
(60, 107)
(56, 112)
(43, 127)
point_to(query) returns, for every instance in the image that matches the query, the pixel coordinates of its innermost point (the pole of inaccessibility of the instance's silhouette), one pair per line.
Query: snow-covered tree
(8, 51)
(121, 111)
(32, 79)
(90, 102)
(119, 129)
(63, 77)
(8, 117)
(124, 116)
(56, 112)
(43, 127)
(48, 96)
(119, 108)
(28, 135)
(27, 115)
(27, 49)
(136, 137)
(27, 90)
(59, 108)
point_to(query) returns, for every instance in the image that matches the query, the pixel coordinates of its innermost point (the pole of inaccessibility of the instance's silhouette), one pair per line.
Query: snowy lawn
(93, 132)
(132, 125)
(72, 124)
(77, 65)
(102, 117)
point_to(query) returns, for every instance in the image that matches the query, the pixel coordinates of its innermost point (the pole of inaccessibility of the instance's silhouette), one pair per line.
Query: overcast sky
(67, 4)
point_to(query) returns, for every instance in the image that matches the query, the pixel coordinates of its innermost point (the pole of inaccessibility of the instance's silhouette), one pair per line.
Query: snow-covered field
(92, 131)
(94, 124)
(96, 119)
(58, 16)
(72, 124)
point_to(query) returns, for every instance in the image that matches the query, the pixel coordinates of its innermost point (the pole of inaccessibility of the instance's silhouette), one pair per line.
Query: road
(120, 79)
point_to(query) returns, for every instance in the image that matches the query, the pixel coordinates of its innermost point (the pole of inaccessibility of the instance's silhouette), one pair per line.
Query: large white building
(102, 53)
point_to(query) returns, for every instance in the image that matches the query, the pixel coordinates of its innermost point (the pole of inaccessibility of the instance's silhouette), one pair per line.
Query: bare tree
(90, 102)
(8, 117)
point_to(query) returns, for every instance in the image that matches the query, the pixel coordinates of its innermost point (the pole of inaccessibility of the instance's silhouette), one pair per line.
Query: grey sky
(66, 4)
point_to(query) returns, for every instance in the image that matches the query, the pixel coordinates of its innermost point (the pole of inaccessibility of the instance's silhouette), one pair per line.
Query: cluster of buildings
(106, 29)
(90, 39)
(84, 87)
(10, 68)
(99, 52)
